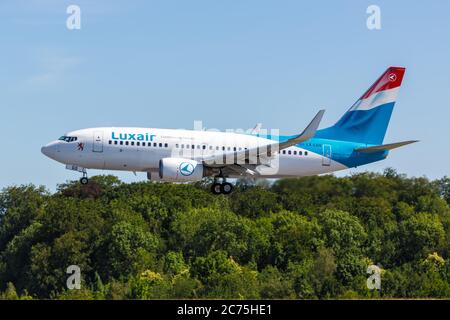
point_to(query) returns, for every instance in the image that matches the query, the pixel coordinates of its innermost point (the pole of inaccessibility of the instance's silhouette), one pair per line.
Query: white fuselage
(141, 149)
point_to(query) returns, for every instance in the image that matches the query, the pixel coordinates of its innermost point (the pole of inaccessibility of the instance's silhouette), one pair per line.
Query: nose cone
(45, 150)
(49, 150)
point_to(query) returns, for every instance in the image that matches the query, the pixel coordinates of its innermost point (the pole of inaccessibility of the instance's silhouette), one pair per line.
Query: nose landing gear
(221, 188)
(84, 179)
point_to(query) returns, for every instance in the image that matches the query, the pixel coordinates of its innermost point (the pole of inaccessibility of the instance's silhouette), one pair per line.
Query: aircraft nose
(49, 150)
(45, 150)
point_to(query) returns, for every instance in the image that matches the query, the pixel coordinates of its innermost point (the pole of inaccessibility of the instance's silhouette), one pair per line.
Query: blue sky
(230, 64)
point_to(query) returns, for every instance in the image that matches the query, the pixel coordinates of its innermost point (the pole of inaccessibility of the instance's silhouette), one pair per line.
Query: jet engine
(180, 169)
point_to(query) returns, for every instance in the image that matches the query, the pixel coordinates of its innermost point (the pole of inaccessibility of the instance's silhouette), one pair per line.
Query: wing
(239, 161)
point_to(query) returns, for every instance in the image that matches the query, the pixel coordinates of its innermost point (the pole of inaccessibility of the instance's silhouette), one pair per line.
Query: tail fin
(367, 120)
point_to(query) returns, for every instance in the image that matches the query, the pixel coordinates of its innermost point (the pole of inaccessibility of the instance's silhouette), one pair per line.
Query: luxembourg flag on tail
(367, 120)
(383, 91)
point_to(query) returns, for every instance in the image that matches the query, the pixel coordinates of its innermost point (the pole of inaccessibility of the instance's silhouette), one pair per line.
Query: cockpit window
(68, 139)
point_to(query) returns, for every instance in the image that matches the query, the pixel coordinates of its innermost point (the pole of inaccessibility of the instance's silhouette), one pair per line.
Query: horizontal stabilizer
(385, 147)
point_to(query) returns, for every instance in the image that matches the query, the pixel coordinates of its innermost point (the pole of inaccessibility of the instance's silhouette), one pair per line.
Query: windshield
(68, 139)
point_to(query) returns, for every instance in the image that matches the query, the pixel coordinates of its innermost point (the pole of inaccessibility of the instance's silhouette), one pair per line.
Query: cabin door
(326, 160)
(98, 141)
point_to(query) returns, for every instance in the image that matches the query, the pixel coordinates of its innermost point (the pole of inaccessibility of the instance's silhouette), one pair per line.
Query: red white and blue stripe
(367, 120)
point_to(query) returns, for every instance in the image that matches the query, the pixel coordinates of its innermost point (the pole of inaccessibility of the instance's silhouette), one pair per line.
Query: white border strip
(376, 99)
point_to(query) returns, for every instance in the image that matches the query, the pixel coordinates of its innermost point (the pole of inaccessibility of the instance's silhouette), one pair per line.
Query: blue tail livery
(367, 120)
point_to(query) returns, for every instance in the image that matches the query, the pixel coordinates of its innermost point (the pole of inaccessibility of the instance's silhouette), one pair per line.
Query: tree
(126, 245)
(419, 235)
(202, 230)
(345, 235)
(174, 263)
(274, 285)
(254, 202)
(296, 238)
(297, 235)
(224, 278)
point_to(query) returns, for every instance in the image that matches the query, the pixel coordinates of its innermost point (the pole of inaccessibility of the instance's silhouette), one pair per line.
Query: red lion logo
(80, 146)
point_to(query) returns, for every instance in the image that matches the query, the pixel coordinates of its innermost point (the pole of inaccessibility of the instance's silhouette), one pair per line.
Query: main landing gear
(84, 179)
(221, 188)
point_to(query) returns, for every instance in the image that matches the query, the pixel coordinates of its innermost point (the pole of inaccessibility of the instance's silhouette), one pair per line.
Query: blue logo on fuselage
(133, 136)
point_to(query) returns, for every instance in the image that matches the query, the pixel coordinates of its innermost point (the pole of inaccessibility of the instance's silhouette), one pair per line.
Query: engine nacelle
(180, 169)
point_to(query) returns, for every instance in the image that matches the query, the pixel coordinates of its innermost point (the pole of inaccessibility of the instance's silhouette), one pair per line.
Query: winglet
(256, 129)
(385, 147)
(310, 130)
(308, 133)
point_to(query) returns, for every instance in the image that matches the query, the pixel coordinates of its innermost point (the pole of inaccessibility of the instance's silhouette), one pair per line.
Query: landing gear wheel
(84, 180)
(216, 188)
(226, 188)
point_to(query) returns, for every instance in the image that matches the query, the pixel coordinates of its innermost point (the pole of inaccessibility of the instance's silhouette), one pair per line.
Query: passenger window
(300, 153)
(306, 153)
(289, 152)
(160, 145)
(138, 144)
(284, 151)
(132, 143)
(193, 146)
(234, 149)
(223, 148)
(155, 144)
(115, 142)
(166, 145)
(110, 142)
(203, 147)
(126, 143)
(295, 152)
(121, 143)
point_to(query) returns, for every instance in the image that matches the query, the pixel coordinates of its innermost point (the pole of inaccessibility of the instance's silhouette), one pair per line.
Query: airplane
(176, 155)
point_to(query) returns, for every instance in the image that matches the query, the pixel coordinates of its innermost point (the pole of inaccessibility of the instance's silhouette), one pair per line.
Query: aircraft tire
(216, 188)
(226, 188)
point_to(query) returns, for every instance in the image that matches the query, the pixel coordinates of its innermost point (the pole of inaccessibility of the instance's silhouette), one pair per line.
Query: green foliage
(296, 238)
(254, 202)
(420, 234)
